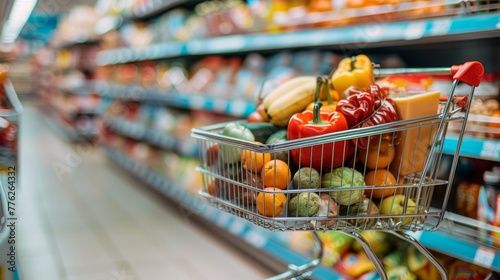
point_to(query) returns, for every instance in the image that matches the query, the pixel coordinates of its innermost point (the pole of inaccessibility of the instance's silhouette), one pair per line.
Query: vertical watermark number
(11, 217)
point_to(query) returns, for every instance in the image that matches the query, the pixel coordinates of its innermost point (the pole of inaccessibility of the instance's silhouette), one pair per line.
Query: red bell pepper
(357, 106)
(385, 113)
(314, 123)
(367, 108)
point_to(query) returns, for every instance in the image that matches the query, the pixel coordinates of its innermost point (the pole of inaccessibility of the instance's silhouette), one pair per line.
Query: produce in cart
(344, 177)
(310, 124)
(377, 156)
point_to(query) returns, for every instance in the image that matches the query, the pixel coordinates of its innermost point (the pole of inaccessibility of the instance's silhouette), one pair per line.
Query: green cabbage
(344, 177)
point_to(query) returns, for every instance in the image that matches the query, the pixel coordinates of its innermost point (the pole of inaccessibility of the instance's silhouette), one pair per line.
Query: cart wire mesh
(403, 157)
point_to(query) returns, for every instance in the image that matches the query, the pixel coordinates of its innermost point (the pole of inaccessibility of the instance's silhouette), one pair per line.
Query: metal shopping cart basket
(10, 110)
(341, 201)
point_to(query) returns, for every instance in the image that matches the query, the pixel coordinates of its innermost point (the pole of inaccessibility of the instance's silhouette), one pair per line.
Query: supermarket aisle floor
(93, 222)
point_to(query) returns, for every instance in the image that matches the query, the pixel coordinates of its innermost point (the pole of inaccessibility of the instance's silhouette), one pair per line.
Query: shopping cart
(10, 110)
(350, 206)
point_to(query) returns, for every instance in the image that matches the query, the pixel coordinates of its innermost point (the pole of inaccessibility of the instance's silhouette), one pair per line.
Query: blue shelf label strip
(473, 147)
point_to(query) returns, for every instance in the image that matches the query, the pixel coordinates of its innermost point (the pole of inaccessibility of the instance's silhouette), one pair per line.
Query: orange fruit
(212, 188)
(253, 161)
(270, 204)
(213, 154)
(276, 173)
(380, 178)
(378, 156)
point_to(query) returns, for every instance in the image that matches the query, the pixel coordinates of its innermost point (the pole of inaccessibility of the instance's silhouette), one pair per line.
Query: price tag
(194, 46)
(415, 234)
(237, 227)
(415, 30)
(238, 107)
(484, 257)
(220, 105)
(490, 149)
(441, 26)
(197, 102)
(223, 219)
(256, 239)
(209, 212)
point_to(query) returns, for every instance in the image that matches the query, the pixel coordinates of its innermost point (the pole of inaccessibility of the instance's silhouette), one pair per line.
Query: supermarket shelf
(458, 237)
(70, 132)
(195, 101)
(153, 8)
(140, 132)
(86, 88)
(488, 149)
(69, 45)
(268, 242)
(409, 32)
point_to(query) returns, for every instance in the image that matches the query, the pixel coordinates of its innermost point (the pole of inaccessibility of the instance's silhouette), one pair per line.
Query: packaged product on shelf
(467, 199)
(162, 79)
(494, 124)
(168, 27)
(163, 120)
(250, 76)
(355, 265)
(147, 74)
(136, 35)
(132, 111)
(460, 270)
(225, 79)
(487, 203)
(126, 74)
(179, 77)
(145, 117)
(193, 181)
(217, 17)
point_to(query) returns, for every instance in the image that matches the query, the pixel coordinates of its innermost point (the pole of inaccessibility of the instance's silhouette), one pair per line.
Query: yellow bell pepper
(355, 71)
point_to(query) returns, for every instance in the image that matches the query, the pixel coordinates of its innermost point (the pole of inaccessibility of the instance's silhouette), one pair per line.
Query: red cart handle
(470, 72)
(460, 101)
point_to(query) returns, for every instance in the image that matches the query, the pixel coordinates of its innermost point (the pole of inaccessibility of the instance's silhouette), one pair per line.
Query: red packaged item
(461, 270)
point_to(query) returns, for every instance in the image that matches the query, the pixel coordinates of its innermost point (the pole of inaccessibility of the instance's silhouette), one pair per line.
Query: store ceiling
(60, 6)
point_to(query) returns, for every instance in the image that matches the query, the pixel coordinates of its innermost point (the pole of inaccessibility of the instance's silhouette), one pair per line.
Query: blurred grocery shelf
(395, 33)
(232, 107)
(140, 132)
(83, 88)
(459, 237)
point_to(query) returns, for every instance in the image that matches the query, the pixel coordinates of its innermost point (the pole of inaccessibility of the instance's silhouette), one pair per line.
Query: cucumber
(278, 136)
(262, 131)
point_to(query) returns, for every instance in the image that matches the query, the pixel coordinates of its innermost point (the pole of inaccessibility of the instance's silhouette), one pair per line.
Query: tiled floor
(93, 222)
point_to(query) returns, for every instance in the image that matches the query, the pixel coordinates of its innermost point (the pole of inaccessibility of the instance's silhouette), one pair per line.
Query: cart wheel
(304, 271)
(423, 250)
(371, 254)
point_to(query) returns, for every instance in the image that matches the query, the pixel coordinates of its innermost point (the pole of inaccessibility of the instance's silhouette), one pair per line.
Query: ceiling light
(19, 14)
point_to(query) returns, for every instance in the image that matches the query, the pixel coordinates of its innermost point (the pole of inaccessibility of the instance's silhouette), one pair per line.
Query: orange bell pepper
(328, 105)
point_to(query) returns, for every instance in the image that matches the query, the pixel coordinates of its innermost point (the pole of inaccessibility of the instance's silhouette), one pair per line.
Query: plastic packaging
(489, 202)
